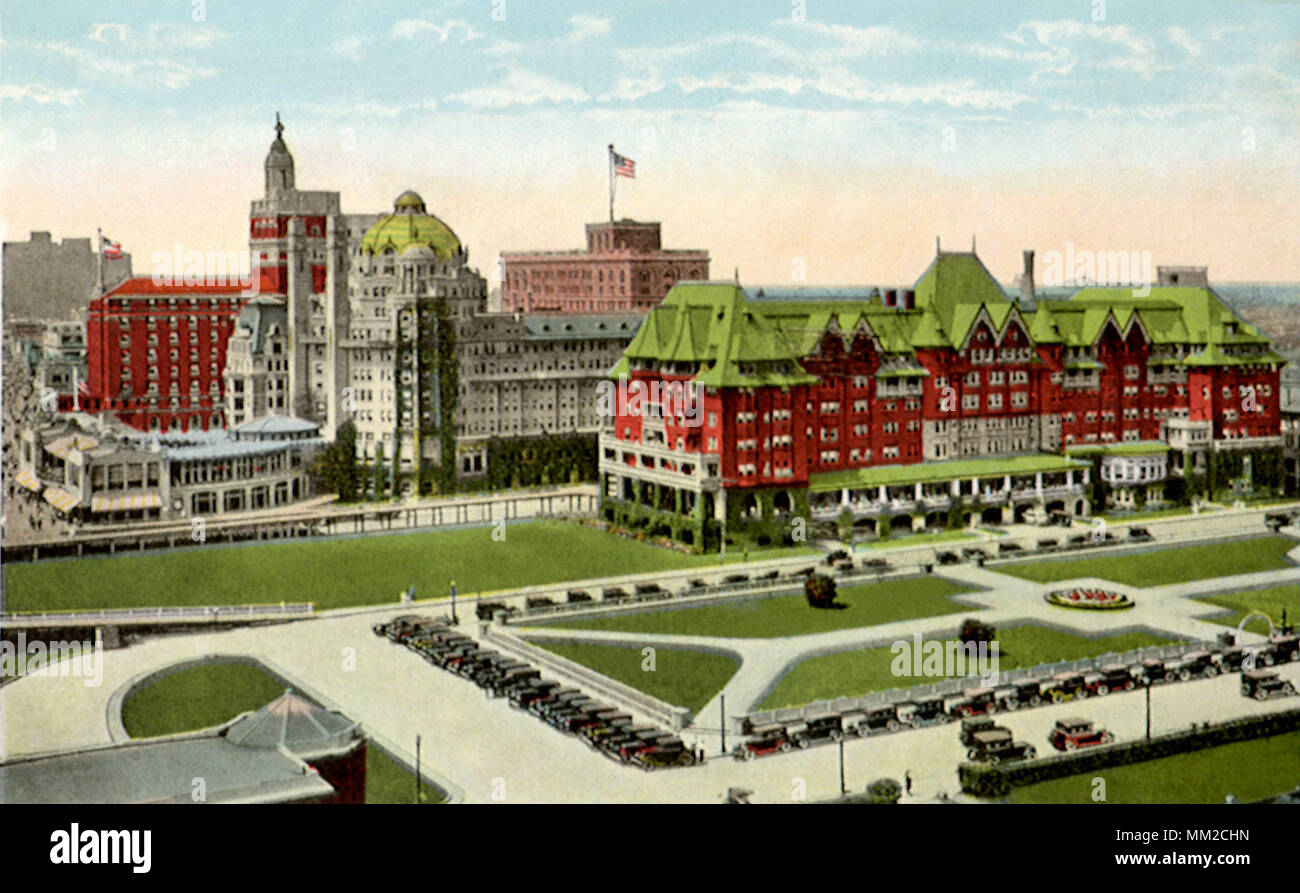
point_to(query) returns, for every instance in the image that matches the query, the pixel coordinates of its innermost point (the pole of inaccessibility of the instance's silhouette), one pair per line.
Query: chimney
(1027, 278)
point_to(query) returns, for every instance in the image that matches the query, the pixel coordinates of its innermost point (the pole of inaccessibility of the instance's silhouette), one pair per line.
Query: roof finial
(937, 249)
(279, 128)
(972, 243)
(737, 273)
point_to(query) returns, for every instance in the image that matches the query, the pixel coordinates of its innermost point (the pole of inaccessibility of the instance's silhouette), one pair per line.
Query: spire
(279, 128)
(279, 163)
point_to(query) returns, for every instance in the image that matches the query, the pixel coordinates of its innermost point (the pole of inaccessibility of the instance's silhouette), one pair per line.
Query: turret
(279, 163)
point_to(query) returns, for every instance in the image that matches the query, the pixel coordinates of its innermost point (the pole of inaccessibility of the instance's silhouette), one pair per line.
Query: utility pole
(417, 769)
(722, 709)
(843, 790)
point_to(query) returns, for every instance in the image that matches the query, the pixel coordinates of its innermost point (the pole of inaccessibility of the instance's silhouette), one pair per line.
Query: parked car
(1073, 733)
(648, 588)
(577, 595)
(998, 746)
(1112, 677)
(1264, 685)
(878, 719)
(973, 702)
(1025, 693)
(1065, 686)
(526, 694)
(976, 724)
(1155, 671)
(923, 712)
(1195, 663)
(876, 563)
(736, 578)
(1141, 534)
(835, 555)
(663, 754)
(613, 593)
(970, 553)
(949, 558)
(487, 610)
(628, 751)
(1285, 648)
(821, 727)
(538, 601)
(1047, 545)
(1005, 548)
(763, 740)
(554, 698)
(1236, 657)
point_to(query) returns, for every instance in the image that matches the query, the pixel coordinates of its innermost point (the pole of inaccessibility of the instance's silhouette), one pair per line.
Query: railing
(195, 614)
(675, 718)
(957, 685)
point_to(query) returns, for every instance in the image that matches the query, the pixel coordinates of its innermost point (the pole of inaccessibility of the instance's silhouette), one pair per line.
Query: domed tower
(279, 163)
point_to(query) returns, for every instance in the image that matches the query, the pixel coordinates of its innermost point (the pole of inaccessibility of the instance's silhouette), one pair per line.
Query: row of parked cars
(1032, 692)
(607, 729)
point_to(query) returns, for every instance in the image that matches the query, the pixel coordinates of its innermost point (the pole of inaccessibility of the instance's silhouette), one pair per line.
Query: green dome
(408, 225)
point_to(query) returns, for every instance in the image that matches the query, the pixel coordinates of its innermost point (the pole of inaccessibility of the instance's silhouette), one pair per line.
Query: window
(995, 401)
(970, 401)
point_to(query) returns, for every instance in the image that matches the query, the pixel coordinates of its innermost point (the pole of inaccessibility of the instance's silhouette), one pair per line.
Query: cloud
(39, 94)
(1092, 46)
(352, 47)
(99, 31)
(409, 29)
(148, 72)
(520, 86)
(1180, 37)
(853, 42)
(585, 27)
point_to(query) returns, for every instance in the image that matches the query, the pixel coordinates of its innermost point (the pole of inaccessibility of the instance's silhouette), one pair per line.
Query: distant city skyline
(839, 143)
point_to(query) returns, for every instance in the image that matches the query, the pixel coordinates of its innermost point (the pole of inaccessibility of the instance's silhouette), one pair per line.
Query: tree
(884, 790)
(335, 468)
(819, 589)
(974, 631)
(954, 512)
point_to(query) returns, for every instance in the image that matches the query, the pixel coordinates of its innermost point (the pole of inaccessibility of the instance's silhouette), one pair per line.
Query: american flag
(624, 167)
(112, 250)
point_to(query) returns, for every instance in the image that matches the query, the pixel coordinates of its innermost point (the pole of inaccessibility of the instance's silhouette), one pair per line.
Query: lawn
(208, 695)
(1269, 601)
(853, 673)
(917, 539)
(683, 678)
(1249, 770)
(349, 571)
(1139, 517)
(1158, 567)
(789, 615)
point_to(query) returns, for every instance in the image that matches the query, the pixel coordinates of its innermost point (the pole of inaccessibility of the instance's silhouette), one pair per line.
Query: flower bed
(1088, 598)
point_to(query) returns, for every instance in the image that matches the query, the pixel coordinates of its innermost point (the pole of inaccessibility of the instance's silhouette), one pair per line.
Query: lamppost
(453, 603)
(417, 769)
(843, 790)
(1148, 687)
(722, 709)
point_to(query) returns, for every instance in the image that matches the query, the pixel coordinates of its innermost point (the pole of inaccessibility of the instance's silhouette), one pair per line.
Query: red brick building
(623, 268)
(902, 408)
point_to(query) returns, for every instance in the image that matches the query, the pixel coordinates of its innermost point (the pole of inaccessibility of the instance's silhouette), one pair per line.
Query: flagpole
(611, 182)
(99, 259)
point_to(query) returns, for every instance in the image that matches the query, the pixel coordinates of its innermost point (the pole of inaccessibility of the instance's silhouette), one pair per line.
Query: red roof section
(144, 285)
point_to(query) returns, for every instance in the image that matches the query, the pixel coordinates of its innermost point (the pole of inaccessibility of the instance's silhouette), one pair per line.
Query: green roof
(408, 225)
(957, 469)
(1134, 448)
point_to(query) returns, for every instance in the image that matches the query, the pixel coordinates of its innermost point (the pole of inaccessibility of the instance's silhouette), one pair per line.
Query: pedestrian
(907, 781)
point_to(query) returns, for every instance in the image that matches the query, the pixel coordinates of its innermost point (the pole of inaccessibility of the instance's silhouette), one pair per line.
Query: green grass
(790, 615)
(341, 572)
(208, 695)
(197, 698)
(916, 539)
(1139, 517)
(683, 678)
(1249, 770)
(1158, 567)
(1269, 601)
(853, 673)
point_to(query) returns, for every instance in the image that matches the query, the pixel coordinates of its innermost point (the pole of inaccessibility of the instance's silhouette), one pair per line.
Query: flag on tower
(112, 250)
(624, 167)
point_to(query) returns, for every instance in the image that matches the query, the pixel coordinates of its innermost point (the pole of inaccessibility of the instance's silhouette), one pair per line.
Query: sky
(799, 141)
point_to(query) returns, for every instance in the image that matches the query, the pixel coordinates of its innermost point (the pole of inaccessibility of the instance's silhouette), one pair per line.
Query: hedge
(985, 780)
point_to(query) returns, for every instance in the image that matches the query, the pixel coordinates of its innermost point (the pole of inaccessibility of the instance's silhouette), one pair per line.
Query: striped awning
(26, 479)
(61, 499)
(70, 442)
(125, 503)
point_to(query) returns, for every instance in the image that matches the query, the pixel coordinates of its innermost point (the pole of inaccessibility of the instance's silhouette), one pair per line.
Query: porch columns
(918, 491)
(1038, 483)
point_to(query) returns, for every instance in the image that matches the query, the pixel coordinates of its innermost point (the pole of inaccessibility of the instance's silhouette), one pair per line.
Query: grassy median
(683, 678)
(1159, 567)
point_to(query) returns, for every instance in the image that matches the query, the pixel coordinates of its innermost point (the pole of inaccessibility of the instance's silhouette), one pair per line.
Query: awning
(68, 443)
(125, 503)
(25, 478)
(61, 499)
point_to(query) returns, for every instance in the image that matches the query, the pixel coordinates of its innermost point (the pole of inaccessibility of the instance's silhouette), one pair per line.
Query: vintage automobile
(650, 740)
(611, 743)
(971, 553)
(1264, 685)
(553, 698)
(562, 717)
(613, 593)
(949, 558)
(923, 712)
(1155, 671)
(836, 555)
(663, 755)
(973, 702)
(525, 695)
(494, 669)
(1065, 686)
(1195, 663)
(478, 663)
(512, 678)
(402, 626)
(1285, 648)
(609, 724)
(486, 610)
(821, 727)
(648, 588)
(998, 746)
(1025, 693)
(1073, 733)
(763, 740)
(1112, 677)
(577, 595)
(1140, 534)
(1006, 548)
(978, 724)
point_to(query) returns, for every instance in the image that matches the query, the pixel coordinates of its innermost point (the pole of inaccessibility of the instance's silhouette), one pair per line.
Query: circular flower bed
(1089, 598)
